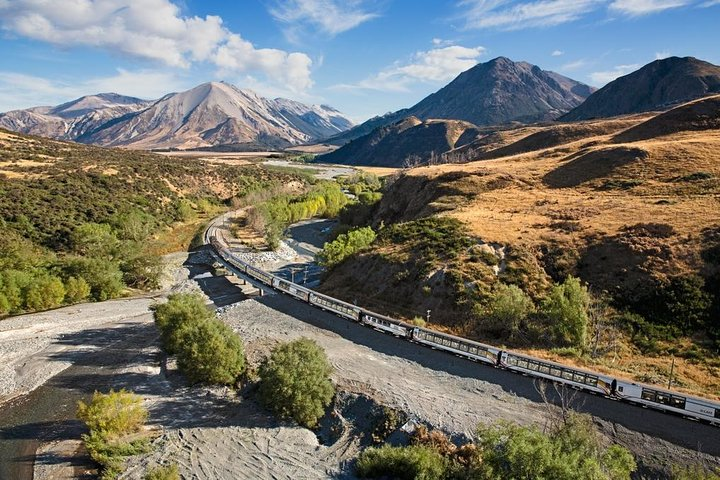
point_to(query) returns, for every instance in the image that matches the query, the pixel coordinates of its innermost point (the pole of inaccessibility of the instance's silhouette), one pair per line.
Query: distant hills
(408, 142)
(501, 92)
(497, 92)
(656, 86)
(208, 115)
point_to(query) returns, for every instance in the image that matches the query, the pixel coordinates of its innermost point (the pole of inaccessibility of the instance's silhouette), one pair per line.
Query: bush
(174, 318)
(570, 452)
(115, 421)
(346, 244)
(415, 462)
(506, 309)
(211, 353)
(565, 308)
(44, 292)
(114, 413)
(168, 472)
(295, 382)
(76, 289)
(207, 349)
(695, 472)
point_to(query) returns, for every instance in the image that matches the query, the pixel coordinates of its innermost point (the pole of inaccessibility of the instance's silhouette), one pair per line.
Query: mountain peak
(656, 86)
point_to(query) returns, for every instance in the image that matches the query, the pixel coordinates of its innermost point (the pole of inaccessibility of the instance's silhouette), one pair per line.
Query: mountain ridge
(207, 115)
(497, 92)
(656, 86)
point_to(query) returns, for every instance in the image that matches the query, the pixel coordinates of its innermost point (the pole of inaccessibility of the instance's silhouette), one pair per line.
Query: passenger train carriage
(652, 397)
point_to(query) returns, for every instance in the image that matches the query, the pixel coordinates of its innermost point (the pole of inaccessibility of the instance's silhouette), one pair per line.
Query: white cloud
(557, 53)
(435, 66)
(22, 91)
(577, 64)
(329, 16)
(661, 55)
(153, 30)
(514, 15)
(601, 78)
(644, 7)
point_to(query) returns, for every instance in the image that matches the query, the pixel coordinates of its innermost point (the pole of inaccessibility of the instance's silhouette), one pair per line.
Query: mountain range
(208, 115)
(497, 92)
(519, 93)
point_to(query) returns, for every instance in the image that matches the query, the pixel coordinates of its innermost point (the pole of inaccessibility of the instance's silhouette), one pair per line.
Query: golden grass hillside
(625, 204)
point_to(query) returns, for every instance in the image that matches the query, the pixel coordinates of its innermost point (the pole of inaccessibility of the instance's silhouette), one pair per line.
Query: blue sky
(364, 57)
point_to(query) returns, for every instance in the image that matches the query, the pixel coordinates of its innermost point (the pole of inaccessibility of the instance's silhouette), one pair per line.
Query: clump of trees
(295, 382)
(274, 214)
(208, 351)
(346, 244)
(570, 451)
(565, 308)
(115, 421)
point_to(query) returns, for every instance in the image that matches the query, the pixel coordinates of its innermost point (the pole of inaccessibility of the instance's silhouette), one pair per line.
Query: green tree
(182, 311)
(44, 292)
(506, 308)
(566, 310)
(346, 244)
(212, 353)
(415, 462)
(95, 240)
(103, 276)
(295, 382)
(76, 289)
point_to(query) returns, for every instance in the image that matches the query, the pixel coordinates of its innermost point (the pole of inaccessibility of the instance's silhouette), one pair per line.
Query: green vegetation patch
(295, 382)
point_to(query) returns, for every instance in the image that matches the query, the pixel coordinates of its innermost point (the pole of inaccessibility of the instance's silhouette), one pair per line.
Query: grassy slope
(572, 207)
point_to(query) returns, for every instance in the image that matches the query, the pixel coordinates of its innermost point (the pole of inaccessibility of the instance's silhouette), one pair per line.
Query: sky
(363, 57)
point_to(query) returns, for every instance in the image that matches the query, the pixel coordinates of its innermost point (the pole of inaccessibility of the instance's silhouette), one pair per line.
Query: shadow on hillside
(585, 166)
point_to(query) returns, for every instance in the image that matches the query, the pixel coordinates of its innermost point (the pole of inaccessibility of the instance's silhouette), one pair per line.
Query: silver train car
(695, 408)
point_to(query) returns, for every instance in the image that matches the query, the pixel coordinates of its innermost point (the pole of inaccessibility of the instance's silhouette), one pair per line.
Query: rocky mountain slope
(208, 115)
(656, 86)
(493, 93)
(72, 119)
(408, 142)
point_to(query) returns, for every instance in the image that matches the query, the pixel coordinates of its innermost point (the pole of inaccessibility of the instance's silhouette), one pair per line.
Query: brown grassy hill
(703, 114)
(633, 220)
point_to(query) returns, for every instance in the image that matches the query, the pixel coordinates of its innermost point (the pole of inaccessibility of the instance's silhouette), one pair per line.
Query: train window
(678, 402)
(591, 380)
(463, 347)
(473, 350)
(555, 372)
(544, 368)
(662, 398)
(522, 363)
(567, 375)
(512, 360)
(579, 377)
(648, 395)
(533, 365)
(717, 413)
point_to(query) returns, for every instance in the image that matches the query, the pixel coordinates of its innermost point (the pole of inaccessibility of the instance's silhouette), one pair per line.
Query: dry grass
(585, 195)
(380, 171)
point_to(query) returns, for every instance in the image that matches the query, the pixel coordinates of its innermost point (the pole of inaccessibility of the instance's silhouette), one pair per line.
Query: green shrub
(695, 472)
(295, 382)
(565, 308)
(415, 462)
(44, 292)
(168, 472)
(212, 353)
(506, 309)
(570, 452)
(173, 318)
(113, 414)
(345, 245)
(115, 421)
(76, 289)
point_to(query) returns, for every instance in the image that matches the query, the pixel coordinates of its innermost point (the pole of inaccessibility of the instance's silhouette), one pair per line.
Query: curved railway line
(632, 393)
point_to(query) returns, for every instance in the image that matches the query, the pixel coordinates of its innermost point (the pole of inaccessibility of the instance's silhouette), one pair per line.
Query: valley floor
(214, 433)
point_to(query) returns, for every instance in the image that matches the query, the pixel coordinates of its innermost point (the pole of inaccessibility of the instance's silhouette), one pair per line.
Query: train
(691, 407)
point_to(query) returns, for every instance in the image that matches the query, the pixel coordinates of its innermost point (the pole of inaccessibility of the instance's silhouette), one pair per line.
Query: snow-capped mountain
(210, 114)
